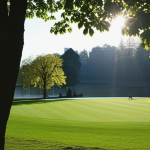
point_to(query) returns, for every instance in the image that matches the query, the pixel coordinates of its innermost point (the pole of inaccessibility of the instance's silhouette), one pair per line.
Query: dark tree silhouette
(84, 64)
(100, 63)
(71, 67)
(83, 57)
(11, 44)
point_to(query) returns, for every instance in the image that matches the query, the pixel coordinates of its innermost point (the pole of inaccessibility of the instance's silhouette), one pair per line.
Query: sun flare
(118, 21)
(115, 30)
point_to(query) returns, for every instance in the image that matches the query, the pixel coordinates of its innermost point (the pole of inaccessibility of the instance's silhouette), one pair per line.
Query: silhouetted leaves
(145, 36)
(91, 32)
(69, 5)
(85, 31)
(80, 24)
(112, 8)
(93, 14)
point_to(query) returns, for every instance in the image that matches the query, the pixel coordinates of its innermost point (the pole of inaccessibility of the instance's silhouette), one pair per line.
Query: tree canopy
(95, 14)
(44, 71)
(71, 67)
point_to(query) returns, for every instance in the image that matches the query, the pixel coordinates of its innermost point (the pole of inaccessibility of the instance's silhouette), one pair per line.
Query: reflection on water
(34, 92)
(90, 89)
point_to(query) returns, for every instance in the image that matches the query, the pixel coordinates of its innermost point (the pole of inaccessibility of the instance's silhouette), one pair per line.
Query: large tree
(44, 71)
(71, 67)
(89, 14)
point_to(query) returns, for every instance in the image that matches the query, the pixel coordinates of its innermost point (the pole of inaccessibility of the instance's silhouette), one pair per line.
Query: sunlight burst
(118, 21)
(115, 30)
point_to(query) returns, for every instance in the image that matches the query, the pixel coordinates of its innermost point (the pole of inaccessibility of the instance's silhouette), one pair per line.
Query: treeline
(104, 64)
(113, 64)
(49, 70)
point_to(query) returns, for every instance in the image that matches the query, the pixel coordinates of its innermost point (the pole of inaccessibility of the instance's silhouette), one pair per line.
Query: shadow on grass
(33, 101)
(14, 143)
(132, 99)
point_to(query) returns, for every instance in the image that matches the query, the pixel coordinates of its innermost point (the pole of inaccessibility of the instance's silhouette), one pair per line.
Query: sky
(38, 39)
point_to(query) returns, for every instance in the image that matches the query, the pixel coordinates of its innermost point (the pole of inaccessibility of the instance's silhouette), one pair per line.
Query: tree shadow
(34, 101)
(132, 99)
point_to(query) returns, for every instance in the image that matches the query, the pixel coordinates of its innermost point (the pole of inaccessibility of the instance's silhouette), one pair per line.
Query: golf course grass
(100, 123)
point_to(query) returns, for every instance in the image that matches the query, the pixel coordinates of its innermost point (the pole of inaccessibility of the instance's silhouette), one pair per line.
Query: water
(90, 89)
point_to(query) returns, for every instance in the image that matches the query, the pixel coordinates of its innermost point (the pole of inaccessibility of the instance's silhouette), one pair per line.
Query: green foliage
(68, 5)
(62, 27)
(145, 36)
(85, 31)
(91, 32)
(113, 8)
(92, 14)
(43, 71)
(83, 13)
(80, 24)
(138, 20)
(43, 9)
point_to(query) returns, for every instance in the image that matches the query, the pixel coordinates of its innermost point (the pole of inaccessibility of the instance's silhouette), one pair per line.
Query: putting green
(107, 123)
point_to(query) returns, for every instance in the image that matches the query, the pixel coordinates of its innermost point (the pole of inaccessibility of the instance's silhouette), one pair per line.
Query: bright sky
(39, 40)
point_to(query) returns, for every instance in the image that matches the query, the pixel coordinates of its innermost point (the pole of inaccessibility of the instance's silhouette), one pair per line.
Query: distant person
(81, 94)
(69, 93)
(130, 96)
(60, 95)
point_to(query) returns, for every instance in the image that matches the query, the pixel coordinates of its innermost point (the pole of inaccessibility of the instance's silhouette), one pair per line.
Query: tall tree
(143, 62)
(71, 67)
(89, 14)
(11, 44)
(83, 57)
(84, 64)
(44, 71)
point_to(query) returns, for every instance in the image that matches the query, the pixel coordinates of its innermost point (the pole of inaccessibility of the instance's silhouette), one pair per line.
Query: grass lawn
(104, 123)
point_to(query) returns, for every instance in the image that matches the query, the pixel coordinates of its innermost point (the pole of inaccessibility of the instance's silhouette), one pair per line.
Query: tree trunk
(11, 45)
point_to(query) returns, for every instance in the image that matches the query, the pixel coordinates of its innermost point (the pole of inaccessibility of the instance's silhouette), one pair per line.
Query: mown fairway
(106, 123)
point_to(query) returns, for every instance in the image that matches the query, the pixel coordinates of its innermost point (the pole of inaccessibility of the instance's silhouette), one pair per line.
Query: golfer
(130, 96)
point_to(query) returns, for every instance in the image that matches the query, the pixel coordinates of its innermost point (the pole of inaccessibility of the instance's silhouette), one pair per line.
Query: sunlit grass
(108, 123)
